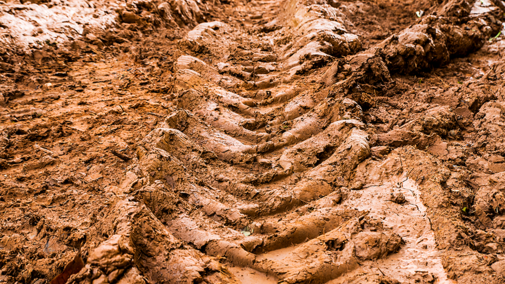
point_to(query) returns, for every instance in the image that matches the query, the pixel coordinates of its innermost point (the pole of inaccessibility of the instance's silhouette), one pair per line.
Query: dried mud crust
(257, 141)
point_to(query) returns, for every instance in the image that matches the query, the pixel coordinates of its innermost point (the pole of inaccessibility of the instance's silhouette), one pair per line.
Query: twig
(155, 114)
(416, 206)
(429, 221)
(36, 146)
(121, 156)
(401, 163)
(372, 185)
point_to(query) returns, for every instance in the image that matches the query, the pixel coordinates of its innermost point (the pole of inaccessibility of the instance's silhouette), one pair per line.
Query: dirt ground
(252, 141)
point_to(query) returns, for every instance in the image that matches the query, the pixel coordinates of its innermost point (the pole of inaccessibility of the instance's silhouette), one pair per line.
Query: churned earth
(248, 141)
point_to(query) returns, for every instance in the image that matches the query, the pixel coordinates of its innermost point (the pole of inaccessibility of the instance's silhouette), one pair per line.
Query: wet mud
(262, 141)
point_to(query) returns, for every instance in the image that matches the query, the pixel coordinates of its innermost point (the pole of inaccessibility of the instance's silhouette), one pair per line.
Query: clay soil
(252, 141)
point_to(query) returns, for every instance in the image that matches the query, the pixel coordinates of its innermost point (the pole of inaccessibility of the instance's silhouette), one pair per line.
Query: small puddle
(409, 220)
(277, 255)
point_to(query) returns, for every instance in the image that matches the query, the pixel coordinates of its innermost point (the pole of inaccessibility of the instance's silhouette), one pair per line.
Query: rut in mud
(299, 141)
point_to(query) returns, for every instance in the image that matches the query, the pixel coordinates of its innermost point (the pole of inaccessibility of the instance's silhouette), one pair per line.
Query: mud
(299, 141)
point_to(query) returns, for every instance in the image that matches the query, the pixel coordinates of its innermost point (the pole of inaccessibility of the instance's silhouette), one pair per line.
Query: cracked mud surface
(299, 141)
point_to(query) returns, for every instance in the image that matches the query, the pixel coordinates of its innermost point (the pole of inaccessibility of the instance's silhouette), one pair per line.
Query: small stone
(37, 31)
(129, 17)
(357, 185)
(398, 198)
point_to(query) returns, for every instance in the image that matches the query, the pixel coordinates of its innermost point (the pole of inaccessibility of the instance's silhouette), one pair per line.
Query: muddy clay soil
(252, 141)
